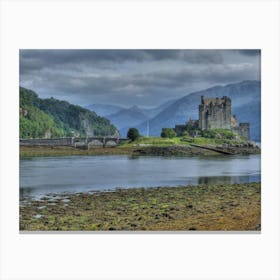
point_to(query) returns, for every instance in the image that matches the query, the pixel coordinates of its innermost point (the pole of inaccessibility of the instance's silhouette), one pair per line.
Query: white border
(155, 24)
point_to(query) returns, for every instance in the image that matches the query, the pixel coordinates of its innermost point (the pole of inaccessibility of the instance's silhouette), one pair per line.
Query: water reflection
(39, 176)
(229, 179)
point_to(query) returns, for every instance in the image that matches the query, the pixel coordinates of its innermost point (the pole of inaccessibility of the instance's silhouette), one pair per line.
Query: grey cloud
(131, 76)
(250, 52)
(35, 60)
(144, 82)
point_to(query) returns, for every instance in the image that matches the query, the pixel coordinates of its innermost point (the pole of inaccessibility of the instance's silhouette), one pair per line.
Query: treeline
(55, 118)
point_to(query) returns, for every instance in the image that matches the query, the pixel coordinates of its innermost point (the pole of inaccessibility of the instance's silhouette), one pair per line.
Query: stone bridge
(72, 141)
(99, 141)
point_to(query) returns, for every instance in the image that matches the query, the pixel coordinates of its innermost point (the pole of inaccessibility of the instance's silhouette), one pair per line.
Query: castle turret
(202, 100)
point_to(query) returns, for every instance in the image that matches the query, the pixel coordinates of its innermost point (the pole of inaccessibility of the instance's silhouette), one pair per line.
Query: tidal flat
(227, 207)
(170, 150)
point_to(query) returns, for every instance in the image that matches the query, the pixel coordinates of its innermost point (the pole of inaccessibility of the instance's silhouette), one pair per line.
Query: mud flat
(67, 151)
(229, 207)
(174, 150)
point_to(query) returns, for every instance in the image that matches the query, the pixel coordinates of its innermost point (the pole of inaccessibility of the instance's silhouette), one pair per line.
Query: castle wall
(180, 129)
(202, 117)
(234, 121)
(215, 113)
(243, 130)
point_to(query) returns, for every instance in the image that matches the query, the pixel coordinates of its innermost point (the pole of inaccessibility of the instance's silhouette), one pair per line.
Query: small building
(191, 126)
(243, 130)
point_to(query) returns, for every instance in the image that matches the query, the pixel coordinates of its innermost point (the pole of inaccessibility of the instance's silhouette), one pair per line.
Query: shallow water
(43, 175)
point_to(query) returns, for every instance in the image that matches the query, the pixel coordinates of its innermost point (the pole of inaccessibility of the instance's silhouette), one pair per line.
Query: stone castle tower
(215, 113)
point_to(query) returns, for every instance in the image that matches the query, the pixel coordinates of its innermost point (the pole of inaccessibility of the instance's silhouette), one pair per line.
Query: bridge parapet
(66, 141)
(69, 141)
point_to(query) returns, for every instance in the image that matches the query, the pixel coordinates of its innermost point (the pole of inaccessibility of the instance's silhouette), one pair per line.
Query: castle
(215, 113)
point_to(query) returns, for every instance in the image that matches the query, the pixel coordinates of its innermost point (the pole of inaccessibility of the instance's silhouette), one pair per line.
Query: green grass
(184, 140)
(156, 141)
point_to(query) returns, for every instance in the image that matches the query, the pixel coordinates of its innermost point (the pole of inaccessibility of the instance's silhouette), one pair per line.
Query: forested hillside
(55, 118)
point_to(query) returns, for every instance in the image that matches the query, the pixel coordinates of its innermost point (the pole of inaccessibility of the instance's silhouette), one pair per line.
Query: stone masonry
(215, 113)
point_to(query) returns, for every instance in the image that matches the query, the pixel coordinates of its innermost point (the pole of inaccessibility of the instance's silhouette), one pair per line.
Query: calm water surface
(43, 175)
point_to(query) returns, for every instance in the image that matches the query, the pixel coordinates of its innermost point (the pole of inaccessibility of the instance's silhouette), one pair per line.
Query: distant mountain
(246, 102)
(246, 105)
(126, 118)
(152, 112)
(46, 118)
(104, 109)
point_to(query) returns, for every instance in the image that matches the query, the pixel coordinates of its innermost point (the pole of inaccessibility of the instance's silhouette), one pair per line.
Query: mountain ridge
(46, 118)
(104, 110)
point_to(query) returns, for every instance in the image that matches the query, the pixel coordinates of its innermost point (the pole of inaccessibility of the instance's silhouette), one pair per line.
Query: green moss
(205, 207)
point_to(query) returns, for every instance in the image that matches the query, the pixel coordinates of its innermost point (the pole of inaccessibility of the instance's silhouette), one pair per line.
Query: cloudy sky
(132, 77)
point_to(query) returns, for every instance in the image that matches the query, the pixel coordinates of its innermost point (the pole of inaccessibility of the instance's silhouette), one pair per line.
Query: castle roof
(214, 101)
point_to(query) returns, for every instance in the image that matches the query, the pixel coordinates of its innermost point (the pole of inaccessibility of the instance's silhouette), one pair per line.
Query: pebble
(37, 216)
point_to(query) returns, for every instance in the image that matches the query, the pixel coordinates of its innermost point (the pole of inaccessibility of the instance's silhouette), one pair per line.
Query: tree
(133, 134)
(168, 133)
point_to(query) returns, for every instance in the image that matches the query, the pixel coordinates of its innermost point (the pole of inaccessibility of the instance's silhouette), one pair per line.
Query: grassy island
(176, 146)
(230, 207)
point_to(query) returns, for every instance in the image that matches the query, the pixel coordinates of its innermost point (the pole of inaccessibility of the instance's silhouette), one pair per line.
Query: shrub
(168, 133)
(133, 134)
(218, 133)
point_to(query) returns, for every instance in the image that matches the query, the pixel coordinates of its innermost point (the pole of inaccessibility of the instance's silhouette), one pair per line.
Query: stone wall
(243, 130)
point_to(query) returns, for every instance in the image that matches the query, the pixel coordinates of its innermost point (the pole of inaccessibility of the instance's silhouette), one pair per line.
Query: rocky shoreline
(183, 150)
(228, 207)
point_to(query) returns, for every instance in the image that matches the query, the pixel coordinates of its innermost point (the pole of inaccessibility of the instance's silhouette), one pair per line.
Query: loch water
(40, 176)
